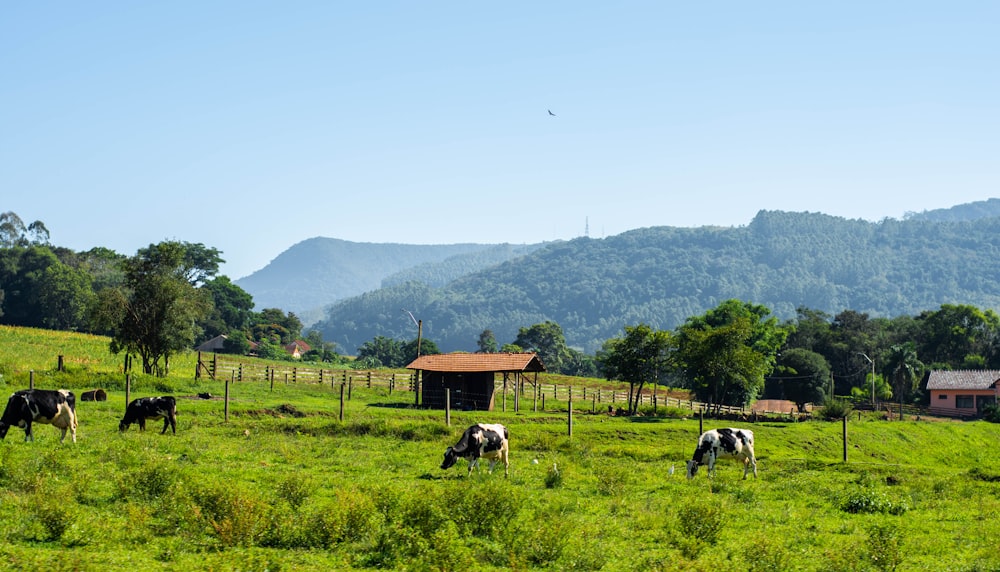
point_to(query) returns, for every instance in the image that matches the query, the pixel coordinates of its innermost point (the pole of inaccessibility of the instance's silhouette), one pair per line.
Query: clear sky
(250, 126)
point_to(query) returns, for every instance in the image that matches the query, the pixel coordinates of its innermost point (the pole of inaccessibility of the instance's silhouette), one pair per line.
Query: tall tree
(154, 312)
(639, 357)
(487, 342)
(232, 308)
(547, 340)
(381, 351)
(725, 353)
(805, 376)
(904, 369)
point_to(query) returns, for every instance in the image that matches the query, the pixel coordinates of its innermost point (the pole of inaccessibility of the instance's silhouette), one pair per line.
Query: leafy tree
(487, 342)
(385, 351)
(64, 298)
(547, 340)
(511, 349)
(581, 364)
(957, 335)
(726, 353)
(236, 343)
(232, 308)
(409, 351)
(154, 312)
(14, 233)
(805, 375)
(273, 324)
(639, 357)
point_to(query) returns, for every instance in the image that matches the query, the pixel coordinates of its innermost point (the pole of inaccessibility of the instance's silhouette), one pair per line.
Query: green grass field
(286, 485)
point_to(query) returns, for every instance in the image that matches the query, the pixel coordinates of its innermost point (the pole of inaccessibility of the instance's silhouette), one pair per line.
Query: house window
(964, 402)
(942, 396)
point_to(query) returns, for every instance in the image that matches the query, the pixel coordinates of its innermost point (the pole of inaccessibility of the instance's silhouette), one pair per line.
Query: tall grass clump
(885, 546)
(699, 524)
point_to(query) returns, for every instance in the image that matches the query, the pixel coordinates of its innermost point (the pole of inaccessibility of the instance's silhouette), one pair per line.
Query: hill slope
(320, 271)
(663, 275)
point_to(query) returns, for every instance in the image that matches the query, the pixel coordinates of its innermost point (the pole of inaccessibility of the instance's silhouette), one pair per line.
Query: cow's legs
(166, 423)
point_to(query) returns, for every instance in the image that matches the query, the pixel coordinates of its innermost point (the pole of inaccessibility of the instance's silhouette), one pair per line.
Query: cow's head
(692, 468)
(122, 425)
(3, 429)
(449, 458)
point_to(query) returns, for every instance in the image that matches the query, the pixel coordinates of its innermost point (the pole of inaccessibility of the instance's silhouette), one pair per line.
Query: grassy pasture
(286, 485)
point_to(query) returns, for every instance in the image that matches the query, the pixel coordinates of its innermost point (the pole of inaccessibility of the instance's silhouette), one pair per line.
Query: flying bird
(550, 112)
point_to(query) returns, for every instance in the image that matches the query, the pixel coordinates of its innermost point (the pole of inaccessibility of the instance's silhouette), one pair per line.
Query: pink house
(964, 392)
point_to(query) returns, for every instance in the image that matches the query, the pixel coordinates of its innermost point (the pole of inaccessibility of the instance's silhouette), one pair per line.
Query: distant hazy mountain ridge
(320, 271)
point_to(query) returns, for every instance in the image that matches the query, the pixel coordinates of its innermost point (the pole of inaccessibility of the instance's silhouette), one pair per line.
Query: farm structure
(963, 393)
(469, 380)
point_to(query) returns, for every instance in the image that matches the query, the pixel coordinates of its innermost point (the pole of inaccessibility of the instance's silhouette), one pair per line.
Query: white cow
(728, 442)
(489, 441)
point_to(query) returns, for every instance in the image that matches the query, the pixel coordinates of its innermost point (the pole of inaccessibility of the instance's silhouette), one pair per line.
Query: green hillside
(663, 275)
(285, 484)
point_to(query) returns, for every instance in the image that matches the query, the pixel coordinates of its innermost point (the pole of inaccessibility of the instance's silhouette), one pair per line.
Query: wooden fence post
(197, 368)
(31, 379)
(447, 406)
(59, 365)
(569, 413)
(701, 420)
(342, 385)
(226, 406)
(128, 388)
(845, 438)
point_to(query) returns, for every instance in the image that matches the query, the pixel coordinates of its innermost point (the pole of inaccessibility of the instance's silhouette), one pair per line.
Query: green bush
(699, 525)
(871, 501)
(885, 546)
(991, 413)
(835, 409)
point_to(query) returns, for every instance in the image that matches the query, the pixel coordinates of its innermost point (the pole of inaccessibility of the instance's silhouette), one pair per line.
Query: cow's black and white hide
(56, 407)
(483, 440)
(139, 410)
(736, 443)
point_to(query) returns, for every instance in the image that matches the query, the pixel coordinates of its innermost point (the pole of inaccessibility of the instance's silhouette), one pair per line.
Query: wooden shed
(471, 378)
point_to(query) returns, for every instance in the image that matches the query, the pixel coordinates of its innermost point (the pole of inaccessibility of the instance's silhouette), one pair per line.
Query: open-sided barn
(470, 378)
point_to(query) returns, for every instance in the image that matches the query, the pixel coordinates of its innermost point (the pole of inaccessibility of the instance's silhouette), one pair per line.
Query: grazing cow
(27, 406)
(139, 410)
(717, 443)
(489, 441)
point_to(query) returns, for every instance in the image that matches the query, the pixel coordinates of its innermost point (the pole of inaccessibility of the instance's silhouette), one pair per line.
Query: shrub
(612, 480)
(885, 546)
(236, 517)
(53, 515)
(766, 554)
(835, 409)
(294, 491)
(146, 483)
(871, 501)
(699, 525)
(991, 413)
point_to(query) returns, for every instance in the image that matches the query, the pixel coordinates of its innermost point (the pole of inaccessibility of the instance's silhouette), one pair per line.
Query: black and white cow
(139, 410)
(56, 407)
(489, 441)
(737, 443)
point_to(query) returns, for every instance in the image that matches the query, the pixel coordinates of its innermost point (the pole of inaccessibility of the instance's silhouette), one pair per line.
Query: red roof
(462, 362)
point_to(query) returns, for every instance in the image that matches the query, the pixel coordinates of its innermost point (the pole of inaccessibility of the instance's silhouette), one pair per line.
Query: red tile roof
(462, 362)
(963, 379)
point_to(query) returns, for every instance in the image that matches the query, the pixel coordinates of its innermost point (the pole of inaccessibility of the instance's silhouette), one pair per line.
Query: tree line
(164, 299)
(169, 296)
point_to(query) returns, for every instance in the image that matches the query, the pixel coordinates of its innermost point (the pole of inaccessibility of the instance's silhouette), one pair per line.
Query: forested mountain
(663, 275)
(319, 271)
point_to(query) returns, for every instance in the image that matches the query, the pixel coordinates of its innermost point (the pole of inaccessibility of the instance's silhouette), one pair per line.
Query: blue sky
(250, 126)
